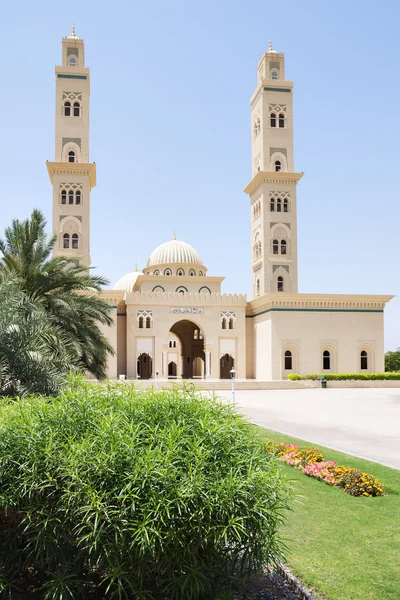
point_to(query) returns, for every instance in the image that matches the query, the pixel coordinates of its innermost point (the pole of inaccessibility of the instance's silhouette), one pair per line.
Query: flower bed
(346, 376)
(312, 462)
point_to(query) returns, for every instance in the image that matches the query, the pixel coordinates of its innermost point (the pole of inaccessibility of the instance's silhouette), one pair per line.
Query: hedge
(346, 376)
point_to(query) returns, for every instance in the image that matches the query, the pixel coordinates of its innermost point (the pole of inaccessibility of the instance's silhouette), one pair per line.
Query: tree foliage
(392, 361)
(138, 494)
(68, 293)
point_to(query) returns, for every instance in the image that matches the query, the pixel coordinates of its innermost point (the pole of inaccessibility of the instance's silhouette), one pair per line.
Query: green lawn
(340, 546)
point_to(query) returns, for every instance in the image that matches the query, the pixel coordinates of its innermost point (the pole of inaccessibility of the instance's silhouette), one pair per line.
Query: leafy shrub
(346, 376)
(356, 483)
(139, 494)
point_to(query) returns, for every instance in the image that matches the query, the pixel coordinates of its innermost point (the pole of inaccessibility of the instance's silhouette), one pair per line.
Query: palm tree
(69, 293)
(34, 355)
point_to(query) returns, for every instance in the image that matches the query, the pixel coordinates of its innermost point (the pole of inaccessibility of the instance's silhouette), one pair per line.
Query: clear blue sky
(170, 130)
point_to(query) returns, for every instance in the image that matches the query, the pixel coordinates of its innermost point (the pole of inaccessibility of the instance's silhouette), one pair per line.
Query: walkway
(362, 422)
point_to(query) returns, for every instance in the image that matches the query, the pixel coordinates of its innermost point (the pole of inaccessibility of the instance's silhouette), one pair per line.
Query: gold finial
(270, 45)
(73, 30)
(174, 236)
(135, 269)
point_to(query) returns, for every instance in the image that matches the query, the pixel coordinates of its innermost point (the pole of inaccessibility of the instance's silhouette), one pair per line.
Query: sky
(171, 135)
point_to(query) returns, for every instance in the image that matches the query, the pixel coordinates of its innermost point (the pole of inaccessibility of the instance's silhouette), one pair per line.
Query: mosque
(172, 319)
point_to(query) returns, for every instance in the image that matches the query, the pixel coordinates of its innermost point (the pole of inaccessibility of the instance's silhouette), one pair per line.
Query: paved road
(362, 422)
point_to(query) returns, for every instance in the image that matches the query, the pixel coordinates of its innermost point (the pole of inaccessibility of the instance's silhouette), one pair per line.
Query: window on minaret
(63, 196)
(70, 197)
(274, 75)
(326, 360)
(275, 247)
(283, 246)
(71, 156)
(258, 287)
(66, 240)
(281, 120)
(72, 62)
(286, 205)
(279, 205)
(272, 204)
(77, 197)
(75, 241)
(67, 109)
(280, 284)
(141, 320)
(278, 165)
(148, 322)
(77, 110)
(273, 119)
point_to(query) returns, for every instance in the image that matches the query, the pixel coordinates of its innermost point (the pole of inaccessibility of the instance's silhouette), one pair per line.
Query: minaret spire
(73, 35)
(270, 49)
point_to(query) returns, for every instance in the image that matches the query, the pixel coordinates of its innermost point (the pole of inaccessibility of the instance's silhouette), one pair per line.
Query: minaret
(272, 190)
(71, 174)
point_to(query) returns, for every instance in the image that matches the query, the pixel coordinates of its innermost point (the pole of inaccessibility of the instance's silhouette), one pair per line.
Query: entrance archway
(172, 369)
(144, 366)
(226, 364)
(192, 348)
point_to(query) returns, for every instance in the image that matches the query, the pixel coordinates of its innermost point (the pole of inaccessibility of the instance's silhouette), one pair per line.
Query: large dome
(127, 282)
(174, 252)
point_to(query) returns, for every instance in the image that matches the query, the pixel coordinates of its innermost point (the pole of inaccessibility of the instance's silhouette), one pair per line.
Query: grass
(340, 546)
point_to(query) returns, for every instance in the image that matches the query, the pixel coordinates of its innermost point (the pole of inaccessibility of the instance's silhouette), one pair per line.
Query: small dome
(127, 282)
(174, 252)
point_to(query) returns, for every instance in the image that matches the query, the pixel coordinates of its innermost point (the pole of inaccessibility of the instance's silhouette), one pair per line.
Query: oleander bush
(312, 463)
(346, 376)
(119, 493)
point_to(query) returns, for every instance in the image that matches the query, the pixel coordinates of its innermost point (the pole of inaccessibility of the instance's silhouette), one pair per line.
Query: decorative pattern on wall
(228, 314)
(273, 64)
(281, 150)
(275, 267)
(73, 52)
(144, 313)
(72, 96)
(277, 108)
(67, 140)
(67, 186)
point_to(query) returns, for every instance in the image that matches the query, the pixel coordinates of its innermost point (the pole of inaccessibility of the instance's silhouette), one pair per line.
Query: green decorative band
(205, 288)
(112, 306)
(181, 287)
(63, 76)
(324, 310)
(271, 89)
(158, 287)
(121, 314)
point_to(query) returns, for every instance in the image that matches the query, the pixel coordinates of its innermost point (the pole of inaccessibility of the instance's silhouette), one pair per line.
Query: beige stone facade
(171, 321)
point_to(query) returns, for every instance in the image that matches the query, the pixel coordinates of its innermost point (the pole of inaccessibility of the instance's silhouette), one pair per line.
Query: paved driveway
(363, 422)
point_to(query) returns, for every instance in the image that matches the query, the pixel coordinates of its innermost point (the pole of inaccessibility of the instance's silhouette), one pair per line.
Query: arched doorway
(172, 369)
(144, 366)
(191, 338)
(225, 366)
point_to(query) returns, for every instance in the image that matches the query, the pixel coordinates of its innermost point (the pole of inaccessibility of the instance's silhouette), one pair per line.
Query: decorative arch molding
(370, 358)
(74, 147)
(204, 287)
(281, 271)
(293, 360)
(330, 347)
(283, 160)
(278, 226)
(158, 287)
(181, 288)
(70, 219)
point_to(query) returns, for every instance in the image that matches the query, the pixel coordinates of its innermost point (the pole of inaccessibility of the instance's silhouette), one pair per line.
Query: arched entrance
(172, 369)
(192, 348)
(226, 364)
(144, 366)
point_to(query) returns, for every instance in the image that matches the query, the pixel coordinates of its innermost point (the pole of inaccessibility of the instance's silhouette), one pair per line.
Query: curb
(297, 587)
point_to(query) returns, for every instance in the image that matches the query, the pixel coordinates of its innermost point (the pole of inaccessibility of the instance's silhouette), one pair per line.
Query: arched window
(326, 360)
(63, 196)
(66, 240)
(77, 110)
(286, 205)
(148, 322)
(67, 109)
(224, 323)
(72, 62)
(364, 360)
(231, 323)
(156, 272)
(180, 272)
(279, 282)
(77, 197)
(258, 287)
(75, 241)
(283, 246)
(273, 119)
(70, 197)
(279, 205)
(167, 272)
(281, 120)
(288, 361)
(274, 75)
(181, 291)
(192, 272)
(278, 166)
(141, 321)
(272, 204)
(201, 273)
(174, 344)
(275, 247)
(71, 156)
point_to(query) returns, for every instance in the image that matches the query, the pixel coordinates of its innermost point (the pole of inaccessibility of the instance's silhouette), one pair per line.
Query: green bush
(346, 376)
(135, 494)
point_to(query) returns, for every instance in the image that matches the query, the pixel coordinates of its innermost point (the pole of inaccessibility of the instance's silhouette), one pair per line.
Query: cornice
(271, 177)
(67, 168)
(282, 301)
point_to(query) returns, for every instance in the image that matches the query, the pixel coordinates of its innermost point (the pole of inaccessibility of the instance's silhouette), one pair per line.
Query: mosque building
(172, 318)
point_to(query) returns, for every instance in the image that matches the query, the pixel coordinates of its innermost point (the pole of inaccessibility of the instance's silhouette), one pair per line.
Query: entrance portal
(172, 370)
(225, 366)
(192, 348)
(144, 366)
